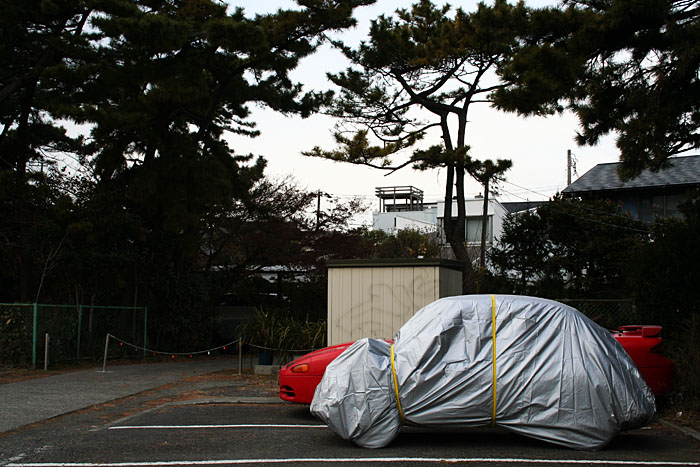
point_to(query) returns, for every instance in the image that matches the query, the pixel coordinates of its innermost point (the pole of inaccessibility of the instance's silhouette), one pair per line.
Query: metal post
(318, 209)
(145, 327)
(36, 312)
(46, 351)
(80, 327)
(240, 356)
(104, 360)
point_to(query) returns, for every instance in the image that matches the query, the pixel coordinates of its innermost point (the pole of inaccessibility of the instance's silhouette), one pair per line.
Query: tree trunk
(454, 227)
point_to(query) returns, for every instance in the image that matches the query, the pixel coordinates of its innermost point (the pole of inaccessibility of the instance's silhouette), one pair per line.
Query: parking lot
(225, 419)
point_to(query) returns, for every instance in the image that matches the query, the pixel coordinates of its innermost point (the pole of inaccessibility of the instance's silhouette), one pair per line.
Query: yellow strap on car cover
(493, 409)
(396, 385)
(493, 326)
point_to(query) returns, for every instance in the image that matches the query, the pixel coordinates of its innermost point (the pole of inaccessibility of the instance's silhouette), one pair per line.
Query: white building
(474, 213)
(403, 207)
(392, 222)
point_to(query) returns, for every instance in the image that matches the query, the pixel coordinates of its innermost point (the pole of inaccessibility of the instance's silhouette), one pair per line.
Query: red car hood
(319, 359)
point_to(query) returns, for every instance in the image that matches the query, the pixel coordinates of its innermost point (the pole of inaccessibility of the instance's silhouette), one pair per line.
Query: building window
(651, 208)
(473, 229)
(672, 202)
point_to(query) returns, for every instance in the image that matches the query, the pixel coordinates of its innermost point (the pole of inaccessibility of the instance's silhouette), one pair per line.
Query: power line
(621, 216)
(596, 221)
(528, 189)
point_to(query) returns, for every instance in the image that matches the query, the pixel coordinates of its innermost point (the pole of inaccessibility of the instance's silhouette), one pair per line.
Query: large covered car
(531, 366)
(298, 379)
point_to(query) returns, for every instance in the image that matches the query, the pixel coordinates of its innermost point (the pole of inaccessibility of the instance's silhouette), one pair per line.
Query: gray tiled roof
(603, 177)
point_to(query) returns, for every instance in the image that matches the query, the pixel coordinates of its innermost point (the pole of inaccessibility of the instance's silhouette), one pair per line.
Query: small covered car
(531, 366)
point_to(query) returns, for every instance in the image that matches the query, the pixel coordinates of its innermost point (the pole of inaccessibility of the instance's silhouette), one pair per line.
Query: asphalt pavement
(34, 400)
(38, 399)
(172, 414)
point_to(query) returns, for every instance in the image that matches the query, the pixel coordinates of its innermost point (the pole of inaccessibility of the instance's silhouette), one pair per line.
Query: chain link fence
(71, 332)
(78, 332)
(609, 313)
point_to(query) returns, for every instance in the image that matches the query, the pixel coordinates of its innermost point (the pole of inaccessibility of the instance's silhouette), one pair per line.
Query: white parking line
(188, 427)
(450, 460)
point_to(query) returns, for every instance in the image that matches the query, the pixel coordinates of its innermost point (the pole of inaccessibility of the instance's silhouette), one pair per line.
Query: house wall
(403, 223)
(648, 205)
(391, 222)
(474, 210)
(646, 197)
(375, 300)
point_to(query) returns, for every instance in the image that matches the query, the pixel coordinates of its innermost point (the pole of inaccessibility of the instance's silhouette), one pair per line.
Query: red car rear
(646, 348)
(298, 379)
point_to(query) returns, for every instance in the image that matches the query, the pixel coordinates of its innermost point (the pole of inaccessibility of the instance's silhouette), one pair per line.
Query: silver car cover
(553, 375)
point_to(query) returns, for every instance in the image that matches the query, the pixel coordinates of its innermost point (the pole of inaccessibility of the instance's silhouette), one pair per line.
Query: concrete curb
(232, 400)
(683, 429)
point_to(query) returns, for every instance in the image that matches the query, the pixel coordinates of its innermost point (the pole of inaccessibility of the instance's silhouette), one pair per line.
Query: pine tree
(430, 61)
(158, 84)
(44, 48)
(626, 67)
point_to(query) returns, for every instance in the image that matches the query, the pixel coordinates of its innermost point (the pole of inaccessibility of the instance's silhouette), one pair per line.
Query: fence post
(145, 328)
(36, 311)
(104, 360)
(240, 356)
(80, 328)
(46, 351)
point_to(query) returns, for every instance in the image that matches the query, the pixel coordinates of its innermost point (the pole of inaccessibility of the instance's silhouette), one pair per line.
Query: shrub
(16, 332)
(279, 331)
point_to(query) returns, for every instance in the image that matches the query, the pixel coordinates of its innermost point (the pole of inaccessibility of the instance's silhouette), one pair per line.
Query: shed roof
(603, 177)
(395, 263)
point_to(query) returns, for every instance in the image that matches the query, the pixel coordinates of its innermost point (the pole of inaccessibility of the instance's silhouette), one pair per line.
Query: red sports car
(298, 379)
(646, 347)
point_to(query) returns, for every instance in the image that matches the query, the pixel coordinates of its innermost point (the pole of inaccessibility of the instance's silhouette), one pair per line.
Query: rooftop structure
(399, 198)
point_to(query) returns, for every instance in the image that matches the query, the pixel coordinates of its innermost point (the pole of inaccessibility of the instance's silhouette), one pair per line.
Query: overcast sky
(537, 146)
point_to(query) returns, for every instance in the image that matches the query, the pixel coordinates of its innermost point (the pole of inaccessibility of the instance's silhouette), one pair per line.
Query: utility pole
(568, 167)
(318, 209)
(484, 225)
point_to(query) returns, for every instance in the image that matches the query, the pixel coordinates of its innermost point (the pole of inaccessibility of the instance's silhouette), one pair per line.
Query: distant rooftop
(603, 177)
(520, 206)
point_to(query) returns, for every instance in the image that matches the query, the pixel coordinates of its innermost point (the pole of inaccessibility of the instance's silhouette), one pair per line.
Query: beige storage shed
(373, 298)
